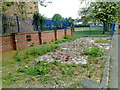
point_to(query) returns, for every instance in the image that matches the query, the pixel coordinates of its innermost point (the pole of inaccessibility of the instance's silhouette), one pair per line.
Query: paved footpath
(119, 58)
(115, 60)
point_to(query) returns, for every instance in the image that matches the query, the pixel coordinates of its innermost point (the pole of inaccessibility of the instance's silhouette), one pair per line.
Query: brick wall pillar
(72, 31)
(14, 41)
(65, 32)
(40, 37)
(55, 31)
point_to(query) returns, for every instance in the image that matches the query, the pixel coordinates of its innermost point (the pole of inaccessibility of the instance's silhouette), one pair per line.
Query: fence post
(18, 24)
(113, 26)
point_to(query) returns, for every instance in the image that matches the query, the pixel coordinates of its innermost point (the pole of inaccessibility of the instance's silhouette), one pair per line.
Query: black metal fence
(19, 24)
(16, 24)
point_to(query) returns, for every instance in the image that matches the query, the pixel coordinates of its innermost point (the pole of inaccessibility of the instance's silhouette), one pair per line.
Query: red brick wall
(48, 36)
(21, 40)
(17, 41)
(60, 34)
(8, 42)
(0, 44)
(68, 32)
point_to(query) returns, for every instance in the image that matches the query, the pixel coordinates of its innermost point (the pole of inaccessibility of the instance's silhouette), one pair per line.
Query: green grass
(43, 50)
(101, 41)
(93, 31)
(66, 39)
(94, 51)
(19, 70)
(16, 65)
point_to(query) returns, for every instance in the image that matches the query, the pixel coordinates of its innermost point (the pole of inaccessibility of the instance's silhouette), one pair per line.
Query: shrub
(94, 51)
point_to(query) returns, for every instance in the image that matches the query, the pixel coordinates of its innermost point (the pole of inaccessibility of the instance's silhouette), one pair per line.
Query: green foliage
(104, 11)
(4, 8)
(42, 50)
(10, 79)
(21, 69)
(81, 71)
(101, 41)
(9, 3)
(67, 71)
(71, 38)
(17, 57)
(56, 62)
(66, 39)
(85, 20)
(94, 51)
(57, 42)
(57, 17)
(71, 22)
(37, 71)
(39, 20)
(71, 65)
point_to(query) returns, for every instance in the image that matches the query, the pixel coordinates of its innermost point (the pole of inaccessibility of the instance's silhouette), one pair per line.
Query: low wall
(60, 34)
(47, 36)
(8, 42)
(16, 41)
(22, 39)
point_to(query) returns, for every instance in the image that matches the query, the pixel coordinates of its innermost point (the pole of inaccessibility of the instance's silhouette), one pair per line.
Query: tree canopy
(103, 11)
(39, 20)
(57, 17)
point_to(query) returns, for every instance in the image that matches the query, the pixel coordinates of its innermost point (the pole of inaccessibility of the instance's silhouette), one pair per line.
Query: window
(28, 37)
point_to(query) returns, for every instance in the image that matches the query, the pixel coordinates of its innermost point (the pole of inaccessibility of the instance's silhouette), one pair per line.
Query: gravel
(73, 51)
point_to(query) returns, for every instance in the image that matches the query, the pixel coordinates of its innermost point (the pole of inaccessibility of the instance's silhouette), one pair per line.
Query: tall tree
(57, 19)
(38, 21)
(105, 12)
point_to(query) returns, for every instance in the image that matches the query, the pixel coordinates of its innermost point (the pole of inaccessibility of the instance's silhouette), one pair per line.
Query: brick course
(60, 34)
(48, 36)
(16, 41)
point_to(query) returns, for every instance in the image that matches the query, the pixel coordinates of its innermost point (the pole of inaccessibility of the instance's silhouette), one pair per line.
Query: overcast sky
(66, 8)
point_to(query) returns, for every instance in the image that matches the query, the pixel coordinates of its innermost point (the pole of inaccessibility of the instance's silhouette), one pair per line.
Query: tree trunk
(105, 27)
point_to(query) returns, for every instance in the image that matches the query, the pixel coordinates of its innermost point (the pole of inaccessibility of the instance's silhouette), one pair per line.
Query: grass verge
(66, 39)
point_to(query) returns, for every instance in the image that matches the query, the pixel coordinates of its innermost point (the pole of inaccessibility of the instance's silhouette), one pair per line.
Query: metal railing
(18, 24)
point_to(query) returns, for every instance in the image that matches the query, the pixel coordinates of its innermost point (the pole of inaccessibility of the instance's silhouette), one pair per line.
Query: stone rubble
(73, 51)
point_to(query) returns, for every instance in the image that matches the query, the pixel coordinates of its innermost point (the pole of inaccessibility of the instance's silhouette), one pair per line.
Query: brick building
(22, 9)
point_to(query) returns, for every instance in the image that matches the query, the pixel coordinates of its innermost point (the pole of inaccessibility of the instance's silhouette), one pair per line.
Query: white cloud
(67, 8)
